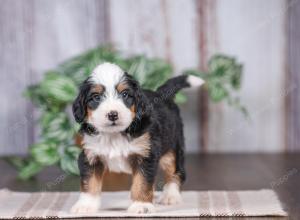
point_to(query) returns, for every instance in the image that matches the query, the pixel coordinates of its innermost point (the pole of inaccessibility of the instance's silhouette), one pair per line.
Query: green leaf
(45, 153)
(59, 88)
(236, 77)
(235, 102)
(221, 65)
(57, 126)
(30, 170)
(36, 95)
(69, 158)
(217, 93)
(151, 73)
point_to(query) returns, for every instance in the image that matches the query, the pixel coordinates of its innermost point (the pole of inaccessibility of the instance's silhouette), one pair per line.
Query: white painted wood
(293, 99)
(166, 29)
(14, 76)
(254, 32)
(36, 35)
(63, 29)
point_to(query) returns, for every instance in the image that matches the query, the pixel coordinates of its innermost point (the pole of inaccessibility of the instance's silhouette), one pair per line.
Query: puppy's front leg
(142, 188)
(91, 175)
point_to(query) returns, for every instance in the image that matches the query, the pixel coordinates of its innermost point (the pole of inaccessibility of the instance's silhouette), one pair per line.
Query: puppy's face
(109, 99)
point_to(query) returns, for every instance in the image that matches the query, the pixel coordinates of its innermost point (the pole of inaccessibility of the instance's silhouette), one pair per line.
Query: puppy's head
(109, 99)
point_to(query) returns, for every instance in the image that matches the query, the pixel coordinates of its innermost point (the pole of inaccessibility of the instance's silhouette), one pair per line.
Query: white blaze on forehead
(108, 75)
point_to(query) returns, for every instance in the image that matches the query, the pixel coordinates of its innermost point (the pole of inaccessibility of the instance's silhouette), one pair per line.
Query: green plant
(54, 94)
(223, 80)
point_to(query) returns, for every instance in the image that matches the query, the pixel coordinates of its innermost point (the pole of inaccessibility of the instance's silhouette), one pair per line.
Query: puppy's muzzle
(113, 116)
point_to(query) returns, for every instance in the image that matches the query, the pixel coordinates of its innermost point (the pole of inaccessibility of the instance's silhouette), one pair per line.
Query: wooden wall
(38, 34)
(35, 36)
(253, 31)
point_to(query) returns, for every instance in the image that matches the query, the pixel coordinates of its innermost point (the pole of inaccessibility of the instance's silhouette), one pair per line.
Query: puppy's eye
(124, 94)
(96, 98)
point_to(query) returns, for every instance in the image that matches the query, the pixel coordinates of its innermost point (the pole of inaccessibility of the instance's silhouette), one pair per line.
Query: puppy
(131, 130)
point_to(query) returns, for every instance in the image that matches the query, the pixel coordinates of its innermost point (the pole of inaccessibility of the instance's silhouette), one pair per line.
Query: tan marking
(122, 86)
(93, 182)
(79, 140)
(133, 113)
(89, 113)
(97, 89)
(140, 189)
(168, 164)
(143, 142)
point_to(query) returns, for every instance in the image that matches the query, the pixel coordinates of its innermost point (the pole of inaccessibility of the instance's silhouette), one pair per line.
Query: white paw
(170, 195)
(141, 207)
(84, 208)
(86, 204)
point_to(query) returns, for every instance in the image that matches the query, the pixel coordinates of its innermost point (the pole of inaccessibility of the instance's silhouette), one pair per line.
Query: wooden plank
(15, 114)
(166, 29)
(36, 36)
(293, 98)
(63, 29)
(254, 32)
(206, 35)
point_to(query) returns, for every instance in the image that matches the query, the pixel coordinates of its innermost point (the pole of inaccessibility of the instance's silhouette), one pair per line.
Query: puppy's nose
(113, 115)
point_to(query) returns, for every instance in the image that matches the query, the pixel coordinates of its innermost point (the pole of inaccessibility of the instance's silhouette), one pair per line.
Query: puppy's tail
(173, 85)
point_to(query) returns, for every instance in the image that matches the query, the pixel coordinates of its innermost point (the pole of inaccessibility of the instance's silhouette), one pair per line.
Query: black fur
(172, 86)
(140, 100)
(84, 99)
(163, 122)
(88, 129)
(166, 131)
(80, 103)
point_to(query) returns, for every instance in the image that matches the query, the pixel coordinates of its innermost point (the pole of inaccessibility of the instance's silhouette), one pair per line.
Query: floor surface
(280, 172)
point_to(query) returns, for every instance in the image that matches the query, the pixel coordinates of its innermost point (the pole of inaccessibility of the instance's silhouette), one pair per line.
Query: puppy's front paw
(170, 195)
(86, 204)
(141, 207)
(84, 208)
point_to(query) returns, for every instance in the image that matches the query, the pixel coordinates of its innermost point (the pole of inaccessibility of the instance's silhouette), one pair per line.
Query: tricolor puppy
(131, 130)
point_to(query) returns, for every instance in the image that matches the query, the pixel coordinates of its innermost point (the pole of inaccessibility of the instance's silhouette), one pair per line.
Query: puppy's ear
(141, 101)
(80, 104)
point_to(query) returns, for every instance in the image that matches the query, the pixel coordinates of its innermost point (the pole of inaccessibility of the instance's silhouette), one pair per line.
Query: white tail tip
(195, 81)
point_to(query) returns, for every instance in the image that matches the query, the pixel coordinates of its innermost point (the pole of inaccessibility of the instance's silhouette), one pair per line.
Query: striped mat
(14, 205)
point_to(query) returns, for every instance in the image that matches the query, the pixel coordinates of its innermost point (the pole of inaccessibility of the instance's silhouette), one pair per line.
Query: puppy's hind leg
(172, 166)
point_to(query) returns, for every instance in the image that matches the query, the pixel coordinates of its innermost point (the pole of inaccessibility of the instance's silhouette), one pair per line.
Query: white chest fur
(115, 149)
